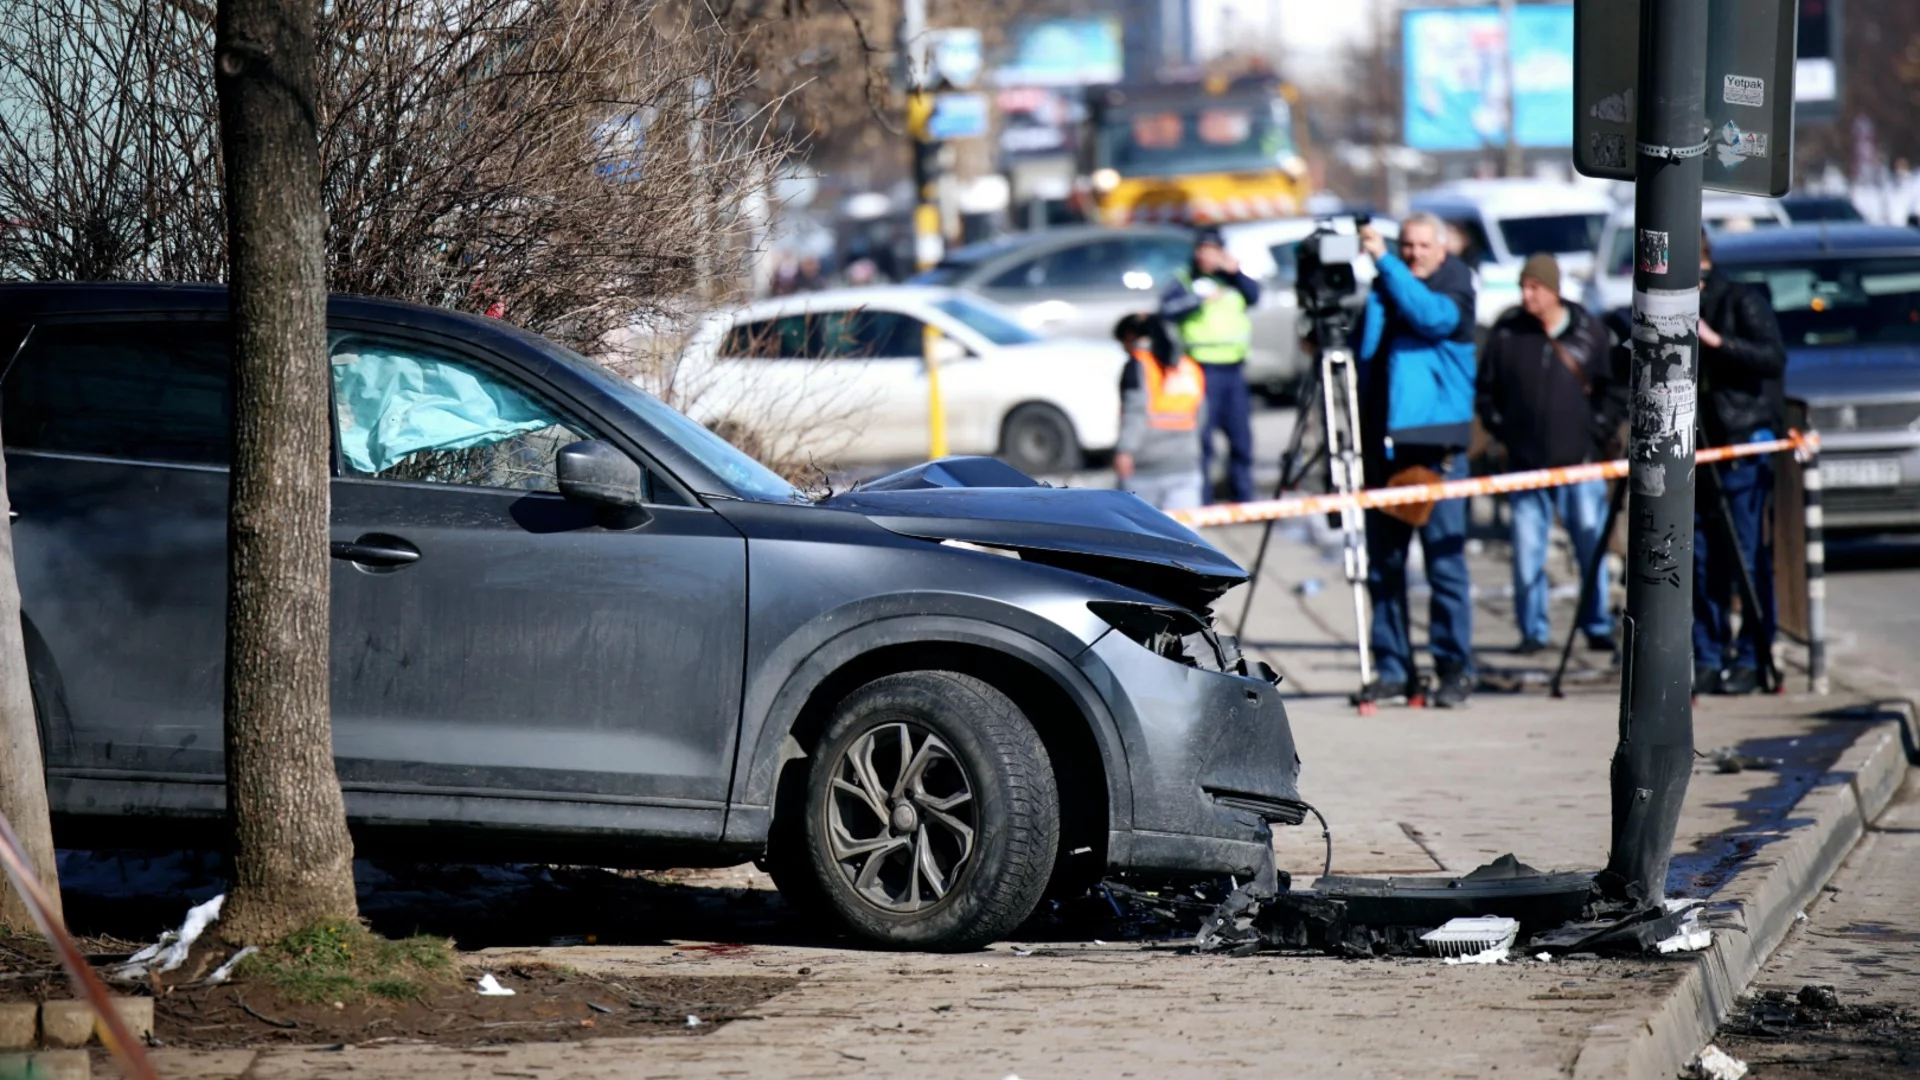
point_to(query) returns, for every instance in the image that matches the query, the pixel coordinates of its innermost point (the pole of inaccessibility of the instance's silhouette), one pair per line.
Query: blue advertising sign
(959, 116)
(1078, 51)
(1456, 77)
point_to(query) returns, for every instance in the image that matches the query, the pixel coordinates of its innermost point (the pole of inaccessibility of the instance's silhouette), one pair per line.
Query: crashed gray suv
(569, 624)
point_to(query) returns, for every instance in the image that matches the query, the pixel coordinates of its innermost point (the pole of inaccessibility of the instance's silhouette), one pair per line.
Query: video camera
(1325, 282)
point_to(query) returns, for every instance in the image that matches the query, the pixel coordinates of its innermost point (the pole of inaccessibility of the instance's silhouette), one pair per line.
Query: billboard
(1455, 65)
(1077, 51)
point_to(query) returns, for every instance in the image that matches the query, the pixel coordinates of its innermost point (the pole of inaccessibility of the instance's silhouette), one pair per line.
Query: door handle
(376, 550)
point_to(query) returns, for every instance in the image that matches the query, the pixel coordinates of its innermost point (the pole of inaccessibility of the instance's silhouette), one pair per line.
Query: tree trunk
(23, 781)
(293, 859)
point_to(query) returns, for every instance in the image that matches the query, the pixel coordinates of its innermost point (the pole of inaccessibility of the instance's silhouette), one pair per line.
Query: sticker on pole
(1734, 146)
(1653, 251)
(1744, 90)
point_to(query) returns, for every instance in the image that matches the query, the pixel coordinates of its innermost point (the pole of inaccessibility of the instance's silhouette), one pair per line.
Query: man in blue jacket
(1417, 380)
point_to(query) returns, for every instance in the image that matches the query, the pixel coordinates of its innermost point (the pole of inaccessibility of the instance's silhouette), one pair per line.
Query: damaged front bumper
(1210, 754)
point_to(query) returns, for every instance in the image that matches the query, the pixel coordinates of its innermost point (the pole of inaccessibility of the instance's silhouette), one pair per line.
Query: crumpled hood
(1106, 534)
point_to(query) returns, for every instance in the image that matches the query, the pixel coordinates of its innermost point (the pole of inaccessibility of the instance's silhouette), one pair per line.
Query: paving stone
(135, 1012)
(19, 1024)
(66, 1023)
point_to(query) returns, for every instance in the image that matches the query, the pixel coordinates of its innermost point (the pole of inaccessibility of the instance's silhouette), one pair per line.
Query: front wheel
(932, 816)
(1039, 438)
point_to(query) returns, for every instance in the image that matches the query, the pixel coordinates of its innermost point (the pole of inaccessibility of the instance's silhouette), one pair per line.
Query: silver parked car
(1848, 301)
(1080, 280)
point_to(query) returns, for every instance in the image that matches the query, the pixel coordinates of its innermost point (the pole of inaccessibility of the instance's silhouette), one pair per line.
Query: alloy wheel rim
(1040, 444)
(901, 819)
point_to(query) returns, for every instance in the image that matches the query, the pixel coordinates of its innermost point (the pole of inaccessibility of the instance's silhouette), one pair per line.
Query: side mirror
(945, 350)
(594, 472)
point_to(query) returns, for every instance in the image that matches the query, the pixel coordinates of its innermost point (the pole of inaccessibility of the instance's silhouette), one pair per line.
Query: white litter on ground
(1482, 939)
(694, 1021)
(1716, 1064)
(1691, 937)
(221, 973)
(171, 950)
(1545, 957)
(490, 987)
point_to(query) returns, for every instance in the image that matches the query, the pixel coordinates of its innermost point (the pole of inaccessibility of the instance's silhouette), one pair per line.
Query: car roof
(1514, 198)
(35, 299)
(1822, 239)
(889, 296)
(1059, 236)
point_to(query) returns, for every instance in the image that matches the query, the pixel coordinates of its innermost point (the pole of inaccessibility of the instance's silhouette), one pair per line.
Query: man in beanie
(1546, 392)
(1208, 302)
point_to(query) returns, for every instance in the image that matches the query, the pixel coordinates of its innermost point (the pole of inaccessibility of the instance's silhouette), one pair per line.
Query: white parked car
(1504, 221)
(1611, 283)
(841, 375)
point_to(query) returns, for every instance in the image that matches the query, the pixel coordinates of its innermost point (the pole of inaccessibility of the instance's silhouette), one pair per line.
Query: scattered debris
(1689, 936)
(1716, 1064)
(225, 971)
(693, 1021)
(1479, 940)
(171, 950)
(1818, 997)
(1545, 957)
(490, 987)
(1728, 760)
(1361, 917)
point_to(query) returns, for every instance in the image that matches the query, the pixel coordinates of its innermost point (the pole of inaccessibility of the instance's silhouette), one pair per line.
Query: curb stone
(1751, 916)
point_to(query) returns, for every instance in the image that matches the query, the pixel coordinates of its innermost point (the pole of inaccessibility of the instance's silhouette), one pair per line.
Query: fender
(834, 639)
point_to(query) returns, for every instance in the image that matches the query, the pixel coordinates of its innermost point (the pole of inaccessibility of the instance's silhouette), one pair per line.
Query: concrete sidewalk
(1406, 792)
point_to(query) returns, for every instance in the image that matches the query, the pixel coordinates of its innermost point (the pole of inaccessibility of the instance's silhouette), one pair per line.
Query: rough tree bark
(23, 782)
(293, 859)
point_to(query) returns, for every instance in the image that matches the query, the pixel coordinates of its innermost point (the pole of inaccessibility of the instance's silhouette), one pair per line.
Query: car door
(116, 435)
(492, 638)
(884, 353)
(830, 385)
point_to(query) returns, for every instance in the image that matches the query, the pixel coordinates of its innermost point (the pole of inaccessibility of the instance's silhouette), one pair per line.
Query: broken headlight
(1174, 633)
(1182, 636)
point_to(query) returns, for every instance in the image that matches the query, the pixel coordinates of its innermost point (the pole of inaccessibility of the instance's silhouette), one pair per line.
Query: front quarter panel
(826, 586)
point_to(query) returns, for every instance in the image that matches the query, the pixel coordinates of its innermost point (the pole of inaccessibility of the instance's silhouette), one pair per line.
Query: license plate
(1860, 472)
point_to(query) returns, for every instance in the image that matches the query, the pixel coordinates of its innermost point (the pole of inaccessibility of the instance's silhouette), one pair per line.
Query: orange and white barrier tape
(119, 1038)
(1412, 494)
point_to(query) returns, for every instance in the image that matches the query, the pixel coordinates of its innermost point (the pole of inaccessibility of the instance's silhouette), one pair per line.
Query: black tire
(965, 737)
(1039, 438)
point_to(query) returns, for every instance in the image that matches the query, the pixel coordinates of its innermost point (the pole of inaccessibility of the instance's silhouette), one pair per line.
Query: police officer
(1208, 303)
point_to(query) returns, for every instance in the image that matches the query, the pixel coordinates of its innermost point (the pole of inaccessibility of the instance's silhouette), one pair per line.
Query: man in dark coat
(1741, 400)
(1546, 391)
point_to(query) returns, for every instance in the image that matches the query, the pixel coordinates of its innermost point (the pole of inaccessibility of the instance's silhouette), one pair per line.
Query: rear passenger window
(143, 391)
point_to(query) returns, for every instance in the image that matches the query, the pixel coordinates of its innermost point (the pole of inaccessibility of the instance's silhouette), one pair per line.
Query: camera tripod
(1329, 401)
